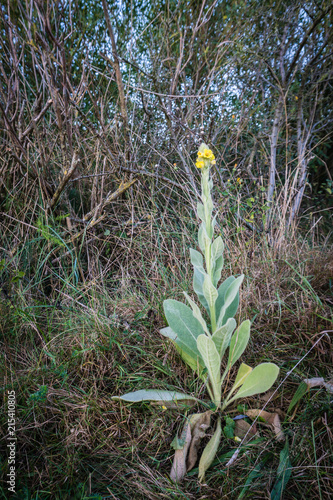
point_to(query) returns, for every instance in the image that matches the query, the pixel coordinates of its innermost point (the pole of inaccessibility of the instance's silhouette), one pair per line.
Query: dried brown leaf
(271, 420)
(178, 468)
(243, 428)
(199, 425)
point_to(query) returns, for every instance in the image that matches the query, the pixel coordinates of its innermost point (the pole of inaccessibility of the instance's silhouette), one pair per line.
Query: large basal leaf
(238, 342)
(169, 333)
(229, 297)
(187, 353)
(183, 323)
(259, 380)
(212, 361)
(196, 312)
(210, 451)
(209, 291)
(153, 395)
(195, 363)
(222, 336)
(192, 358)
(198, 280)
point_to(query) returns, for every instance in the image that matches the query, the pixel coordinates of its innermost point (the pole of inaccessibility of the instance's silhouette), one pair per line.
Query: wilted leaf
(199, 424)
(209, 452)
(243, 428)
(178, 468)
(271, 420)
(153, 395)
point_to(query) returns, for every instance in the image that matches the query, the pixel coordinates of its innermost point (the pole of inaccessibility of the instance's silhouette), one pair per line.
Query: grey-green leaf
(183, 323)
(209, 452)
(221, 293)
(198, 280)
(153, 395)
(259, 380)
(229, 298)
(222, 336)
(201, 211)
(209, 291)
(196, 312)
(217, 259)
(169, 333)
(238, 342)
(211, 359)
(196, 259)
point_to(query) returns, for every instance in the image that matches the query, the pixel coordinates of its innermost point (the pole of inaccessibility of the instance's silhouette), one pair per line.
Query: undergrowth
(80, 322)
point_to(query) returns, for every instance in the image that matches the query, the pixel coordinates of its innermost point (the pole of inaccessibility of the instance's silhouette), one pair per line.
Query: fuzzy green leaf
(238, 342)
(209, 291)
(229, 298)
(153, 395)
(243, 372)
(201, 211)
(197, 260)
(211, 359)
(222, 336)
(196, 312)
(209, 452)
(169, 333)
(259, 380)
(198, 280)
(183, 323)
(217, 259)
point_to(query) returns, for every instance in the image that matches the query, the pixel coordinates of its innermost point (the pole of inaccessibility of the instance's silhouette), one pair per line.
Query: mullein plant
(207, 338)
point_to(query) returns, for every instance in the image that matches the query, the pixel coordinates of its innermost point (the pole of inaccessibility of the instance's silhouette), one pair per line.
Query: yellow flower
(200, 164)
(164, 407)
(200, 154)
(239, 180)
(208, 154)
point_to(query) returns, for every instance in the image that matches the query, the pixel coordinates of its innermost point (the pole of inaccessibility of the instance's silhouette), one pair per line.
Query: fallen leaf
(199, 425)
(318, 381)
(243, 428)
(271, 420)
(178, 468)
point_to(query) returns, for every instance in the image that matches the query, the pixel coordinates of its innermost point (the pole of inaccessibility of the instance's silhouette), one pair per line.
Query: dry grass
(87, 340)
